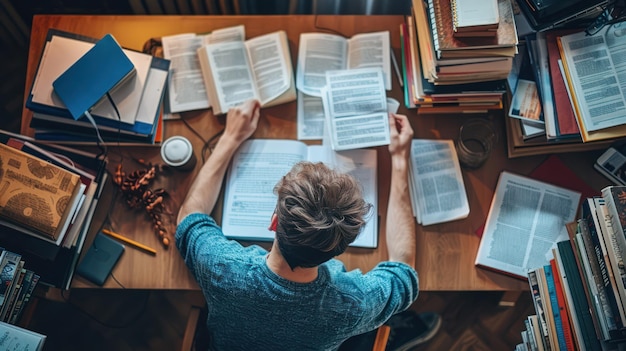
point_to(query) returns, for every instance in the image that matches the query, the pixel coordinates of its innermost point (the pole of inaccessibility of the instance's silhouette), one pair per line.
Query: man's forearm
(205, 189)
(400, 226)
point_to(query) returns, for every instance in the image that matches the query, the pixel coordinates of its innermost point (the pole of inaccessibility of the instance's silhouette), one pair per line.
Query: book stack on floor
(457, 61)
(77, 72)
(582, 104)
(49, 196)
(17, 284)
(580, 296)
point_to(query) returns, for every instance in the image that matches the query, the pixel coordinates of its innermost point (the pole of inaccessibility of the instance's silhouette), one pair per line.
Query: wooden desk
(445, 252)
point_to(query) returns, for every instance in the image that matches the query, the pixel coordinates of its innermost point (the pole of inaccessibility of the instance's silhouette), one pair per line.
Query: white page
(62, 52)
(526, 219)
(438, 188)
(270, 70)
(185, 88)
(318, 53)
(249, 201)
(371, 50)
(355, 106)
(231, 72)
(259, 164)
(597, 70)
(310, 117)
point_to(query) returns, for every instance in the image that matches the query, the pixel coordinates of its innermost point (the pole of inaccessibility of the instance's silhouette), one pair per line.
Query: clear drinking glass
(476, 139)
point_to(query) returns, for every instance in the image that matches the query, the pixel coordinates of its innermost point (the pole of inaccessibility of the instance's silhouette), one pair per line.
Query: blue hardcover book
(96, 73)
(555, 307)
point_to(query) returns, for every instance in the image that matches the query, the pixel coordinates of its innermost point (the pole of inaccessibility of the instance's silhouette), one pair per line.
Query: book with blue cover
(95, 74)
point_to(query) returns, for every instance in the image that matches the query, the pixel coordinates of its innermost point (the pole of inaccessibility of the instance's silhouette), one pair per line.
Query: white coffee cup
(177, 152)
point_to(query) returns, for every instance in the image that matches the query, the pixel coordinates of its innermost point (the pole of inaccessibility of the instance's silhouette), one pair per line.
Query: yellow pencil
(130, 241)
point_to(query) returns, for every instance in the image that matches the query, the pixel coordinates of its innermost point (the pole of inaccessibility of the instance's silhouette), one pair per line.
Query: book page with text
(437, 189)
(185, 88)
(271, 65)
(371, 50)
(318, 53)
(596, 71)
(526, 219)
(355, 105)
(231, 74)
(249, 200)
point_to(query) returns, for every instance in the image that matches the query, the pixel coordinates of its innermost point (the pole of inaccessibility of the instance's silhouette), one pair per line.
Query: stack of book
(50, 194)
(580, 296)
(450, 68)
(130, 112)
(17, 284)
(581, 102)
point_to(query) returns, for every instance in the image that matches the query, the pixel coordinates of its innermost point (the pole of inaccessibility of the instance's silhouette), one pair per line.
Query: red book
(566, 120)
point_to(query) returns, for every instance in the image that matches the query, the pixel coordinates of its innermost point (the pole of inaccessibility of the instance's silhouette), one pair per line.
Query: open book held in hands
(355, 106)
(258, 68)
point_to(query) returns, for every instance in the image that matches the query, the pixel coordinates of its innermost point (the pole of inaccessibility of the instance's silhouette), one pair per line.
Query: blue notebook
(88, 80)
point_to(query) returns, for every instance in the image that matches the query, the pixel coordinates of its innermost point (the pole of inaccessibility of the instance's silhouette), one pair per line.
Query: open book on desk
(258, 68)
(526, 219)
(185, 87)
(321, 52)
(436, 183)
(249, 200)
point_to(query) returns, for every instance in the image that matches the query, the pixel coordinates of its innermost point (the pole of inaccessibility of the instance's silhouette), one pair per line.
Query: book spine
(455, 18)
(555, 307)
(533, 280)
(560, 298)
(615, 258)
(587, 337)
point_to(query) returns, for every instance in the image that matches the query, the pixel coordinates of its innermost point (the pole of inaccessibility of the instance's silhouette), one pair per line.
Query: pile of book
(49, 196)
(456, 60)
(581, 103)
(580, 296)
(129, 111)
(17, 284)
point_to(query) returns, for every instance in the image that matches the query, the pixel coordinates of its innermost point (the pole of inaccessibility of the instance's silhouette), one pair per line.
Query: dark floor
(142, 320)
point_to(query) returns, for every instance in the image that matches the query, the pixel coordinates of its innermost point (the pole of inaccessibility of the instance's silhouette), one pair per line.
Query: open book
(249, 200)
(526, 219)
(437, 190)
(321, 52)
(258, 68)
(185, 86)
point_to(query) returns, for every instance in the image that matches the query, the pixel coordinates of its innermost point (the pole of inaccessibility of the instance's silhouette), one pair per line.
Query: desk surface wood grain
(445, 252)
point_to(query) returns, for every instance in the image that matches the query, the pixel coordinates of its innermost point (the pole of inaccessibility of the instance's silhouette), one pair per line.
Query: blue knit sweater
(252, 308)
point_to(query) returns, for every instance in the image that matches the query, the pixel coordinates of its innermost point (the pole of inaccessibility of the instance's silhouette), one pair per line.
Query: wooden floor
(143, 320)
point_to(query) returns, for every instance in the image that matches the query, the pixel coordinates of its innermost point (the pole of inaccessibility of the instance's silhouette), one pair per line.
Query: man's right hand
(401, 134)
(241, 122)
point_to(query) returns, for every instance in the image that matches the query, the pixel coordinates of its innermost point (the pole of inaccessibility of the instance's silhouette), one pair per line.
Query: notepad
(474, 14)
(104, 67)
(100, 259)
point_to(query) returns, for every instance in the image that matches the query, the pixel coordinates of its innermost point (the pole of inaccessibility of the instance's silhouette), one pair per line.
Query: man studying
(298, 296)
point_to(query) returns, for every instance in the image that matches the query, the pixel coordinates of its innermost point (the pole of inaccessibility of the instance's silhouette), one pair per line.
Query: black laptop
(546, 14)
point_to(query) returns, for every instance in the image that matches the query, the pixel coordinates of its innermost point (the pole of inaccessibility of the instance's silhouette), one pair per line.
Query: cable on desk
(318, 27)
(206, 144)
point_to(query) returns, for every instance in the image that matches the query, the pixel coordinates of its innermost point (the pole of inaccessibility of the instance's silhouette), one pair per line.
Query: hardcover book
(95, 74)
(36, 195)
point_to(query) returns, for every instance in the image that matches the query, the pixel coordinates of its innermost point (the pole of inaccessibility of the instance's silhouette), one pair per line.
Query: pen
(397, 69)
(130, 242)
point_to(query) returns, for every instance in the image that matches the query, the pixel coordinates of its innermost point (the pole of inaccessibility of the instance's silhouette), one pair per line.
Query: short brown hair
(320, 212)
